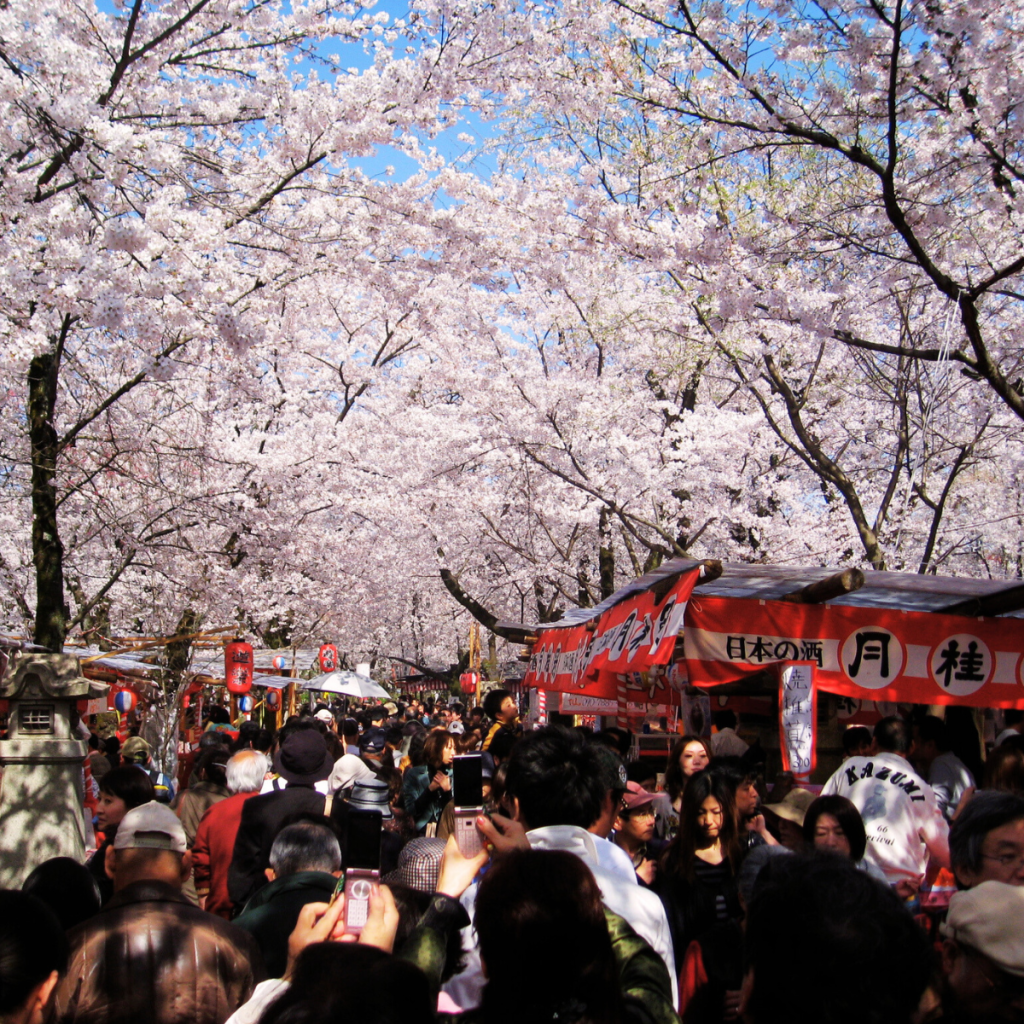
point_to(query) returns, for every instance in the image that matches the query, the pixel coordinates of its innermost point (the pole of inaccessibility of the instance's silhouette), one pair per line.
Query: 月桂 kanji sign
(862, 652)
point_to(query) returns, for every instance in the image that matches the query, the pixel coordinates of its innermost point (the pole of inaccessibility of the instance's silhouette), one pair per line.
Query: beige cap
(152, 826)
(990, 919)
(133, 746)
(793, 807)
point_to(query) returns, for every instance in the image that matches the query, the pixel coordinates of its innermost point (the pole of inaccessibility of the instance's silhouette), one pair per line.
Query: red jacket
(213, 849)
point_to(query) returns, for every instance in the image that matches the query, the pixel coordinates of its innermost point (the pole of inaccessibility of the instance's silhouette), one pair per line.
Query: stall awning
(619, 644)
(895, 637)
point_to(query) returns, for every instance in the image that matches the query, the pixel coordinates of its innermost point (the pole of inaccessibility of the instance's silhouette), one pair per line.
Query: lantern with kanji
(124, 701)
(245, 704)
(328, 658)
(238, 666)
(280, 662)
(273, 700)
(468, 681)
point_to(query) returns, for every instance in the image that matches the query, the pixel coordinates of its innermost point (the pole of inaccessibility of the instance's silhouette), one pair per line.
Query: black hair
(556, 777)
(681, 853)
(94, 741)
(434, 746)
(219, 715)
(347, 981)
(1004, 769)
(502, 743)
(67, 888)
(674, 778)
(933, 729)
(823, 913)
(640, 771)
(891, 735)
(493, 702)
(855, 737)
(253, 735)
(539, 917)
(620, 740)
(724, 719)
(32, 947)
(985, 811)
(846, 813)
(212, 765)
(734, 769)
(130, 784)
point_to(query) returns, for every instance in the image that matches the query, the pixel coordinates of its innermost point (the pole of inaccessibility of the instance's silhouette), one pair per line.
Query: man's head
(986, 842)
(891, 735)
(304, 847)
(931, 738)
(500, 706)
(555, 778)
(862, 957)
(645, 773)
(983, 952)
(742, 781)
(636, 816)
(246, 771)
(135, 751)
(857, 741)
(372, 743)
(614, 782)
(725, 719)
(150, 846)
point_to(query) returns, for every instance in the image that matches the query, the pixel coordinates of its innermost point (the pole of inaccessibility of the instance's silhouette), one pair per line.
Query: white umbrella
(349, 684)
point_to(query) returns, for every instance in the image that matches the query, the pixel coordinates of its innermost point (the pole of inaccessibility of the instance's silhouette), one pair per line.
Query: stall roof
(904, 591)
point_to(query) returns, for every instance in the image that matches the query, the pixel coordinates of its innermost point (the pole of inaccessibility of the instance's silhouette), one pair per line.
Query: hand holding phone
(362, 867)
(468, 798)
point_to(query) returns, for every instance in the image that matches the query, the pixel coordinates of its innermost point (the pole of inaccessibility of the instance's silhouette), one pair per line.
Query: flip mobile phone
(468, 799)
(362, 868)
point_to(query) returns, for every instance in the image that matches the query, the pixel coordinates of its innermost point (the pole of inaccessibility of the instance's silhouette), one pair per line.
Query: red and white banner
(624, 646)
(865, 653)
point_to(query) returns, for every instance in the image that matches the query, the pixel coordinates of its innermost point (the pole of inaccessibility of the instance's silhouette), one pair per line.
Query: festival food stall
(876, 637)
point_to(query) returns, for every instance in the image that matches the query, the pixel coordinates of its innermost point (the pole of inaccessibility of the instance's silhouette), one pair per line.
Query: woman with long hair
(697, 885)
(689, 755)
(427, 787)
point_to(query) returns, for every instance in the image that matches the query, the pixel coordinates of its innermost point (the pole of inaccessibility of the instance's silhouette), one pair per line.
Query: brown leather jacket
(150, 956)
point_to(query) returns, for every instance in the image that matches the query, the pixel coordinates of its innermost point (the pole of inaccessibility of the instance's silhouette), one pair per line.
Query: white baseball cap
(152, 826)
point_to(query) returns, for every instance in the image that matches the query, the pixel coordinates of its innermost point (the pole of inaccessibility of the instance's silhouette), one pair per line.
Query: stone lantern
(41, 814)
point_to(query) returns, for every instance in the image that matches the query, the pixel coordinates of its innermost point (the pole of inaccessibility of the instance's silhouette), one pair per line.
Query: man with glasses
(634, 831)
(986, 843)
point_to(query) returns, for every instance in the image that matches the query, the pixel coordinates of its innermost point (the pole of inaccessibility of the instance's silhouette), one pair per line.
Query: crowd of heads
(769, 888)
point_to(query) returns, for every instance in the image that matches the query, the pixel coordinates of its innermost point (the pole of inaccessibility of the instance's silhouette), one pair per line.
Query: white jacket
(637, 905)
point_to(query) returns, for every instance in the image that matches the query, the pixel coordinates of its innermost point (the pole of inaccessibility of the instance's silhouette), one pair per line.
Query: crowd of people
(600, 893)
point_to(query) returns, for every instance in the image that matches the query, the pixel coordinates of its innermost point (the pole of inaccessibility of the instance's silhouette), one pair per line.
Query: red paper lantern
(238, 666)
(468, 681)
(273, 700)
(328, 658)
